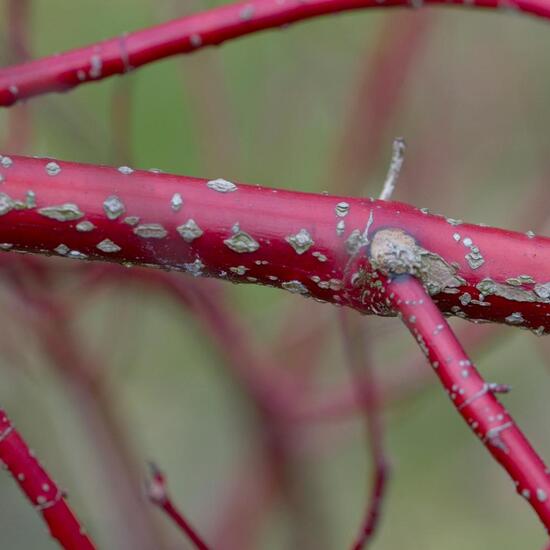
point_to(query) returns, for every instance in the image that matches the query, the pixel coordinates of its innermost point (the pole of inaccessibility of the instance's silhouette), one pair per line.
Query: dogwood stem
(40, 489)
(61, 72)
(471, 395)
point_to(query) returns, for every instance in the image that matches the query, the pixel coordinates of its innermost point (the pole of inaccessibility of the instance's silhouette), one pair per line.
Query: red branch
(40, 489)
(119, 55)
(158, 495)
(308, 244)
(471, 395)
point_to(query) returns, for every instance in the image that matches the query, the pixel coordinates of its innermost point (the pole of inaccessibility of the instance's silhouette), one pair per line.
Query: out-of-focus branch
(382, 84)
(355, 345)
(130, 51)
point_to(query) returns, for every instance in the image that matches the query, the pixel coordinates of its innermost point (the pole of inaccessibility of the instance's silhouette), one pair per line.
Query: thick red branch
(126, 52)
(470, 394)
(40, 489)
(308, 244)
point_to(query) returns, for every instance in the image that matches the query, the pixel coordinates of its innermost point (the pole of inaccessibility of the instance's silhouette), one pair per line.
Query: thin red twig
(40, 489)
(122, 104)
(130, 51)
(49, 319)
(158, 495)
(470, 394)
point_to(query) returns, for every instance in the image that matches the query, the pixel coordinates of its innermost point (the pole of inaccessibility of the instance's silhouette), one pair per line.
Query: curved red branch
(119, 55)
(308, 244)
(40, 489)
(471, 395)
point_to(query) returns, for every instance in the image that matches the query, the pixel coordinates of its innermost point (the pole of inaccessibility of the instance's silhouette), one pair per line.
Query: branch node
(44, 505)
(491, 387)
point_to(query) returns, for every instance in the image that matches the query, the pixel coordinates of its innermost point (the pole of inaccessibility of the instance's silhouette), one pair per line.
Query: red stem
(40, 489)
(159, 496)
(471, 395)
(129, 51)
(296, 241)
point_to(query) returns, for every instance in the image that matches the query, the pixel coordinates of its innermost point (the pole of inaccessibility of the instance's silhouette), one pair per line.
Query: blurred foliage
(272, 109)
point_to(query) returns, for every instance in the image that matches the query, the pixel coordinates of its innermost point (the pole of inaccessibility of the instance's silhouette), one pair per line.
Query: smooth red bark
(367, 394)
(126, 52)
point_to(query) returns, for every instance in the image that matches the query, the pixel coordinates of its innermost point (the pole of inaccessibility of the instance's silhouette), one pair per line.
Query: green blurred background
(275, 109)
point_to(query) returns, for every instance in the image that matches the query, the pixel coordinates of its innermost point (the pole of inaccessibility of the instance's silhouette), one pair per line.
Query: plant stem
(308, 244)
(471, 395)
(129, 51)
(40, 489)
(159, 496)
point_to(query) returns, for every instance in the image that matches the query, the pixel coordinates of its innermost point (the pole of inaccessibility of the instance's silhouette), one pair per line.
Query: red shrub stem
(470, 394)
(159, 496)
(308, 244)
(40, 489)
(58, 73)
